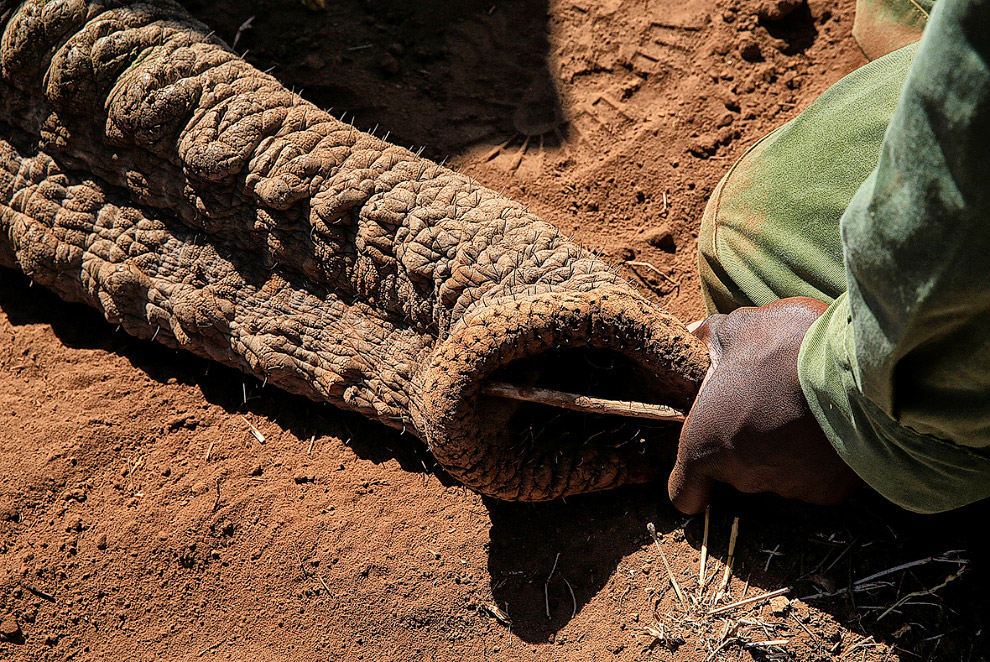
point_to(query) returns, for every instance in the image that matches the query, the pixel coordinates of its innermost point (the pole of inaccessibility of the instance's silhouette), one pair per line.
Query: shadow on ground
(444, 75)
(928, 610)
(548, 560)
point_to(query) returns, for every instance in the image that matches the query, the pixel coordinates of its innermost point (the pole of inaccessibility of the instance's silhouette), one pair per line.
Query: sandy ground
(142, 516)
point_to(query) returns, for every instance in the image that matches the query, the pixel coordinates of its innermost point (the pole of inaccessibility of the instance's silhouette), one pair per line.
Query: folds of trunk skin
(149, 172)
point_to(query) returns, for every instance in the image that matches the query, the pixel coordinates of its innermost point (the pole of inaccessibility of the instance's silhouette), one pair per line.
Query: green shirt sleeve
(898, 370)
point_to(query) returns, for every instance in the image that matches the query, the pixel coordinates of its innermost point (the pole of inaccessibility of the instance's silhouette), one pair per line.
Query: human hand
(750, 425)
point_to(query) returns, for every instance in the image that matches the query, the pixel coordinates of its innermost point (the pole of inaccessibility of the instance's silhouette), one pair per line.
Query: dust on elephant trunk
(151, 173)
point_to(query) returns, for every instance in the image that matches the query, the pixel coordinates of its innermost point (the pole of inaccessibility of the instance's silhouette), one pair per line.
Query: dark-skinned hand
(750, 425)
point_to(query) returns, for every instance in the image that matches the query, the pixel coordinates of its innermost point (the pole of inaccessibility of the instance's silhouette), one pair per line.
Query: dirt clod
(775, 10)
(10, 629)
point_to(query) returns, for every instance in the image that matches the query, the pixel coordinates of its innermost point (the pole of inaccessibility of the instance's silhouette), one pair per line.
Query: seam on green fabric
(716, 211)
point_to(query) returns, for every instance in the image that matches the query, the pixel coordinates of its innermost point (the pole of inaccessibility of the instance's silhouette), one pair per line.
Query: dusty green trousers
(876, 200)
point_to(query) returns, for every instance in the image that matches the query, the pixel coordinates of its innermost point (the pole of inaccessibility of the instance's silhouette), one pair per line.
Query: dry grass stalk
(254, 431)
(636, 263)
(931, 591)
(729, 561)
(865, 642)
(670, 573)
(766, 644)
(702, 579)
(714, 629)
(864, 583)
(749, 601)
(499, 615)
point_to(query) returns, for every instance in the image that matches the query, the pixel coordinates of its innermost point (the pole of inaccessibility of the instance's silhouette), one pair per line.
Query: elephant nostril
(582, 401)
(562, 411)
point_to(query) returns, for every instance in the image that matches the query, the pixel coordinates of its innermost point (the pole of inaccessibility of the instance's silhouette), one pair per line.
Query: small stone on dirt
(779, 605)
(8, 512)
(101, 542)
(187, 421)
(10, 629)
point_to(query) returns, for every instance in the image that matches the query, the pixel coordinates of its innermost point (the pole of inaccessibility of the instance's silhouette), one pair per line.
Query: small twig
(38, 592)
(583, 403)
(323, 583)
(764, 644)
(912, 564)
(862, 643)
(209, 648)
(312, 442)
(718, 650)
(499, 615)
(747, 601)
(804, 627)
(729, 561)
(134, 467)
(931, 591)
(670, 573)
(704, 555)
(636, 263)
(858, 585)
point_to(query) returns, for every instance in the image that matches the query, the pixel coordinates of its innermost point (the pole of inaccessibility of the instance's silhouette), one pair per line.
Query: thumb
(689, 486)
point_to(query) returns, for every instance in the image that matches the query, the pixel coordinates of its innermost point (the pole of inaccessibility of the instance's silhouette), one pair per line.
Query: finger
(707, 332)
(690, 487)
(704, 329)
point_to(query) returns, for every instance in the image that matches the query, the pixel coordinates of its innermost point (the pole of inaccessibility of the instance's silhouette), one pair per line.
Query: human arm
(895, 372)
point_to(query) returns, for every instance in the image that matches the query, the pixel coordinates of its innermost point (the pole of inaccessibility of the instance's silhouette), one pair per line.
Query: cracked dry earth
(157, 505)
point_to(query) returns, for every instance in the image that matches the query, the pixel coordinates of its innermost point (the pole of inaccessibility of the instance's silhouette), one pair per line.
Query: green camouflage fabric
(875, 199)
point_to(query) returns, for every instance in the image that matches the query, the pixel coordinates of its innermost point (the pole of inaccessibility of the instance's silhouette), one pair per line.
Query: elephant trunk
(149, 172)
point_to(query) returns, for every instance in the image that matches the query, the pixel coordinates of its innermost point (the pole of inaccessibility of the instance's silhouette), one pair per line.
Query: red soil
(143, 517)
